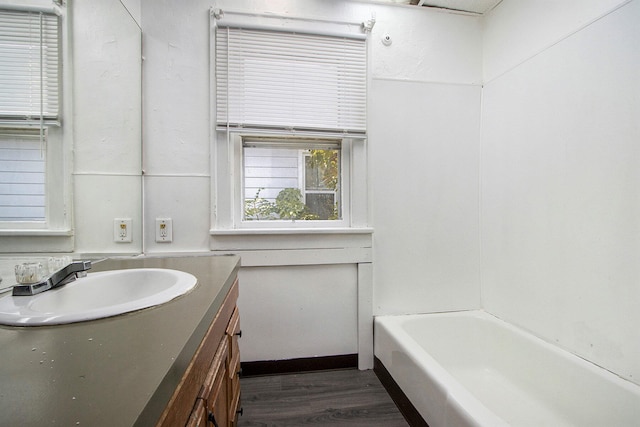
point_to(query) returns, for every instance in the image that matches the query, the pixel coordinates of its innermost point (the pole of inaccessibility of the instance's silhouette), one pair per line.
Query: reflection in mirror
(107, 145)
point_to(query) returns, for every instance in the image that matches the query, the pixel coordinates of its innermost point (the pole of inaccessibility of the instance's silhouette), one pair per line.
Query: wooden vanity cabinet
(209, 392)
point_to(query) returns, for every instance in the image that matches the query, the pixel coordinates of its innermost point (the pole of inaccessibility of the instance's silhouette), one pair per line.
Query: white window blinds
(29, 66)
(289, 80)
(22, 176)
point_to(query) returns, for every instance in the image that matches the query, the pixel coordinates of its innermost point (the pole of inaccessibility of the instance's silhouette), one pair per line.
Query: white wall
(560, 175)
(176, 122)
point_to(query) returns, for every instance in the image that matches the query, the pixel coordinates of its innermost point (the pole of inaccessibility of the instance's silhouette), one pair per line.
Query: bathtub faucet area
(65, 275)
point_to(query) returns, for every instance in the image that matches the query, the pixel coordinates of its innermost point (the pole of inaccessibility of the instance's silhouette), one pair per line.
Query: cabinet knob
(239, 333)
(212, 418)
(240, 411)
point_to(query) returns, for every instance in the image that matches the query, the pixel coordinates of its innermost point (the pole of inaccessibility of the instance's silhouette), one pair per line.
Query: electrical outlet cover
(122, 230)
(164, 230)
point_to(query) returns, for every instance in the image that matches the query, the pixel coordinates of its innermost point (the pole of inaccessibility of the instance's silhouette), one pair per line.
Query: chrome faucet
(61, 277)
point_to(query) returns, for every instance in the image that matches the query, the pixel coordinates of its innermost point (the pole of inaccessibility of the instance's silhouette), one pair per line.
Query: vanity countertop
(118, 371)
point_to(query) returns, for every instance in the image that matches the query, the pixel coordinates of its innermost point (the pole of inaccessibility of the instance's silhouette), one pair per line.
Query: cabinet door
(198, 416)
(233, 332)
(215, 389)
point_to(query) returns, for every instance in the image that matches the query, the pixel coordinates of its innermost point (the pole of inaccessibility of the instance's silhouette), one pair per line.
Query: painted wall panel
(184, 199)
(560, 200)
(519, 29)
(106, 87)
(176, 85)
(424, 145)
(98, 199)
(427, 45)
(293, 312)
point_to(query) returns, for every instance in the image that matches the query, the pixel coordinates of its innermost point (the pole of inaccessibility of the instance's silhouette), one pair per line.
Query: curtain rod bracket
(217, 13)
(367, 26)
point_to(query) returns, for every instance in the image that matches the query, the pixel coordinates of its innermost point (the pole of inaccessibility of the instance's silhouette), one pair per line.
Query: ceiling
(473, 6)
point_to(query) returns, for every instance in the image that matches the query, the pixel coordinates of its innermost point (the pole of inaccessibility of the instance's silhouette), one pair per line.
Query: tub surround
(115, 371)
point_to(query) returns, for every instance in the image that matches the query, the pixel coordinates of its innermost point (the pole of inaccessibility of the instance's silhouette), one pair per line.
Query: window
(32, 182)
(289, 109)
(291, 180)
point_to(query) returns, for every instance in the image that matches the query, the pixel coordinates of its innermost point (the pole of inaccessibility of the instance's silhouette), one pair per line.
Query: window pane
(22, 176)
(321, 204)
(291, 181)
(321, 170)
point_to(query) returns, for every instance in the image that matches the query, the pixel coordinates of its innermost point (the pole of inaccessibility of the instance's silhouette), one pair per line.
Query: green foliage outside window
(288, 205)
(258, 208)
(326, 161)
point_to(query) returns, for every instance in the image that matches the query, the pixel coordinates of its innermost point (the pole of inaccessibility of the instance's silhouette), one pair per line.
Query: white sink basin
(102, 294)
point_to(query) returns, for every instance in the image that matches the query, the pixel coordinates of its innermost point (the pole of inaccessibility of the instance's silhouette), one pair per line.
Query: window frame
(55, 233)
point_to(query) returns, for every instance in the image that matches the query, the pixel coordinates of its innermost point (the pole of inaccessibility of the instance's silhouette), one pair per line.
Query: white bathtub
(472, 369)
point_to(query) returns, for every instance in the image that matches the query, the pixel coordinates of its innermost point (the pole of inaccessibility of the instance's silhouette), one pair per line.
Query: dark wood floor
(326, 398)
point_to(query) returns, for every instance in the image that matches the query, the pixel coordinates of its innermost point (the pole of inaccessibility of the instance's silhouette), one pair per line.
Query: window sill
(289, 231)
(338, 244)
(36, 232)
(36, 240)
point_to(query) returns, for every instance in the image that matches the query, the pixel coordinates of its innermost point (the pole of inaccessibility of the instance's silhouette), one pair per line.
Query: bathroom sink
(99, 295)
